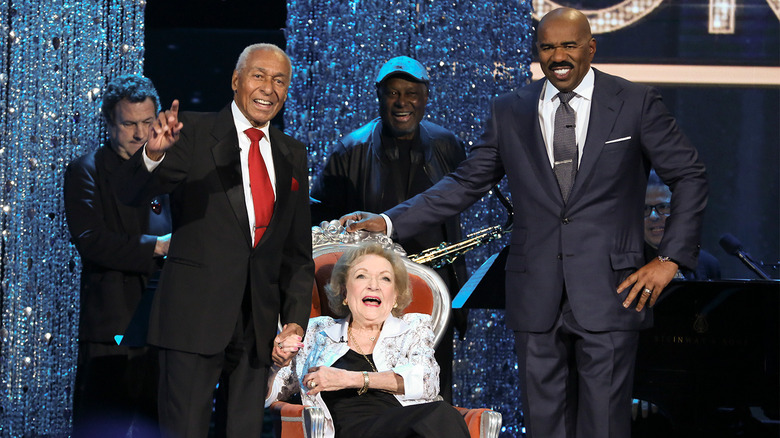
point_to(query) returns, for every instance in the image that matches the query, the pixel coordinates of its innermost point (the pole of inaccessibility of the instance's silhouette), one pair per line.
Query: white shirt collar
(392, 327)
(584, 89)
(242, 124)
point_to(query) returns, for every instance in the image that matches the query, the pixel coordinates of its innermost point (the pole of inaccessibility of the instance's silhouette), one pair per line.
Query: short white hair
(241, 63)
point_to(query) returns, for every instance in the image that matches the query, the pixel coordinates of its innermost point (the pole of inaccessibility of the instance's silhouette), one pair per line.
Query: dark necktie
(260, 183)
(565, 144)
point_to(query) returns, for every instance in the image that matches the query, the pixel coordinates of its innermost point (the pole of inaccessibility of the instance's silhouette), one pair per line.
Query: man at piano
(647, 422)
(657, 210)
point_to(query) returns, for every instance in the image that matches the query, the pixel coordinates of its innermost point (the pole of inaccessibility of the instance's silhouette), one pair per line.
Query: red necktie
(260, 183)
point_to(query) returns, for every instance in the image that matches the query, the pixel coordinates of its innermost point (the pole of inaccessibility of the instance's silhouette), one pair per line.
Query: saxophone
(447, 253)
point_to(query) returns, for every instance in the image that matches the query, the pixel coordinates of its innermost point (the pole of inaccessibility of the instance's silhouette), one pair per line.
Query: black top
(378, 414)
(345, 405)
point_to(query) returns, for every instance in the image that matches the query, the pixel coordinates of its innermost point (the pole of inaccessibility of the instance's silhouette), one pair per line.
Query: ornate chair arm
(297, 421)
(482, 423)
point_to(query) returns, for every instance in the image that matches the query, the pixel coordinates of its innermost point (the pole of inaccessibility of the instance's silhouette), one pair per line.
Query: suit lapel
(227, 162)
(108, 161)
(526, 122)
(604, 111)
(284, 176)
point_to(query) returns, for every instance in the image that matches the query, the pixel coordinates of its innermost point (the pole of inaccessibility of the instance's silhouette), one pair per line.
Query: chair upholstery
(481, 422)
(297, 421)
(429, 295)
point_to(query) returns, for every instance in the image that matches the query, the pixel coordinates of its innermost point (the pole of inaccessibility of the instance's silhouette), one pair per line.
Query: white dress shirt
(580, 103)
(242, 124)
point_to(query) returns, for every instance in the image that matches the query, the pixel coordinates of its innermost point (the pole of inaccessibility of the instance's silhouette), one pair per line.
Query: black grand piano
(710, 363)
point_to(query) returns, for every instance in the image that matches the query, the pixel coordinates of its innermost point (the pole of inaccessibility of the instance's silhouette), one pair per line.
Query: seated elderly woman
(372, 371)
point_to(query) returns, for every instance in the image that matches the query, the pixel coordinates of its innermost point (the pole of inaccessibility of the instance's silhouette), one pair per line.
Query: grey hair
(336, 289)
(653, 180)
(241, 63)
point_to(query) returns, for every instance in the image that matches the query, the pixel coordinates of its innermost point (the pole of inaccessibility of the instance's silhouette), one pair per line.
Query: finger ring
(312, 384)
(647, 291)
(279, 344)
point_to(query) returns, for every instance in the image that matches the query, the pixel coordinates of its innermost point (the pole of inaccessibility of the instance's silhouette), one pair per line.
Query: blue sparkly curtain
(55, 58)
(473, 52)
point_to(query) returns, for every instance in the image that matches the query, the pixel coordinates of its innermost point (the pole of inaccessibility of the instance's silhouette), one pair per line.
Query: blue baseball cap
(403, 65)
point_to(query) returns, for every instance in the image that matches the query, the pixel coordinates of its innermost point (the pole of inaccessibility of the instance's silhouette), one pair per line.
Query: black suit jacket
(211, 261)
(116, 254)
(590, 244)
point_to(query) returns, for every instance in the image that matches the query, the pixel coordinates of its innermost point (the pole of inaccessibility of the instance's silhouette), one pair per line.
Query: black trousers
(188, 380)
(427, 420)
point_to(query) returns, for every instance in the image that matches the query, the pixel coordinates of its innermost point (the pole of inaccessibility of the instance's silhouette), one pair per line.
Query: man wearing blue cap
(391, 159)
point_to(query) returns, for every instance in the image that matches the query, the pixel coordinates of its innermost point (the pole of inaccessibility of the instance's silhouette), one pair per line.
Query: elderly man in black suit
(577, 148)
(121, 250)
(240, 255)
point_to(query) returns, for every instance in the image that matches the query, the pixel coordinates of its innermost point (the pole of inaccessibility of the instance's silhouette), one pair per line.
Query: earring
(395, 306)
(344, 302)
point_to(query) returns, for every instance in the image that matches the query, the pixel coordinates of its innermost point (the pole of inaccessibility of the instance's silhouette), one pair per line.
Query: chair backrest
(429, 293)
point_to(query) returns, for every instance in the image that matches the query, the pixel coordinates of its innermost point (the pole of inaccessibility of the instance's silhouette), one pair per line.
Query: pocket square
(294, 185)
(619, 139)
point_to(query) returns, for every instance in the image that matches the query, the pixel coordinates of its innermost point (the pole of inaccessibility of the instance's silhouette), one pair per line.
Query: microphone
(732, 245)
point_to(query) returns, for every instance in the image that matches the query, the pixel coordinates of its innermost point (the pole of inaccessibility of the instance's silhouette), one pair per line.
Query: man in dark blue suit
(577, 286)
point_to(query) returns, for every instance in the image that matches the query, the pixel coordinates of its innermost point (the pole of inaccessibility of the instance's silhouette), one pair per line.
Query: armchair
(429, 296)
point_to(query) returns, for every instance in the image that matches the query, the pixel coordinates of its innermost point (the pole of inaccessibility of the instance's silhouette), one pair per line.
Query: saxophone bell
(446, 253)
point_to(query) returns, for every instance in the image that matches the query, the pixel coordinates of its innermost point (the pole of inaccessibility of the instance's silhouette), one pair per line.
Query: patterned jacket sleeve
(283, 383)
(411, 356)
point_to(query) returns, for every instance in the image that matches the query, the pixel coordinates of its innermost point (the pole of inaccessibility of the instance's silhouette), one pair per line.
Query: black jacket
(117, 253)
(211, 262)
(357, 177)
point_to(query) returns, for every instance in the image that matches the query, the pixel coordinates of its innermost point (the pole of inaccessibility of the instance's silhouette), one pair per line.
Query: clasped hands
(321, 378)
(286, 344)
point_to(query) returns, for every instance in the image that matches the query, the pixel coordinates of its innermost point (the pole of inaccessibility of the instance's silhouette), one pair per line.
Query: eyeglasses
(663, 209)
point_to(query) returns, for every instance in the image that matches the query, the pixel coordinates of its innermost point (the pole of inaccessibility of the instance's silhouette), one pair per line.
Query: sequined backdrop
(55, 57)
(473, 51)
